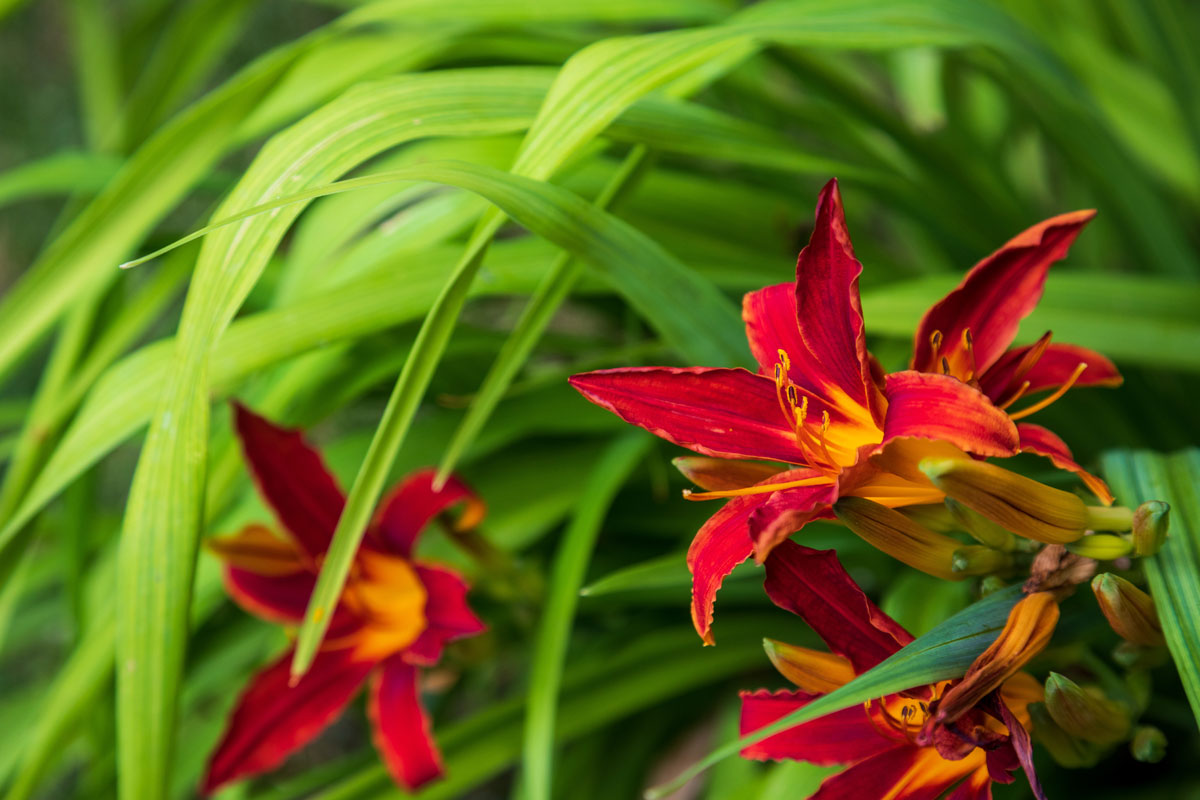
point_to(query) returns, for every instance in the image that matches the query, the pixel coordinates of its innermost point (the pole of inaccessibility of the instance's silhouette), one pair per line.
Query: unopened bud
(980, 527)
(1067, 750)
(1129, 610)
(1085, 713)
(903, 539)
(990, 584)
(1101, 546)
(1138, 657)
(814, 671)
(934, 516)
(978, 560)
(1149, 744)
(1150, 523)
(1016, 503)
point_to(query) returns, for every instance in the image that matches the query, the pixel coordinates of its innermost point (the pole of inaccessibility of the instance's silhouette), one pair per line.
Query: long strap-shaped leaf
(943, 653)
(593, 89)
(1174, 573)
(554, 630)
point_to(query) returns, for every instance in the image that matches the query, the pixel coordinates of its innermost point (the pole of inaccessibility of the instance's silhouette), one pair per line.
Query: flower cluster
(823, 431)
(905, 460)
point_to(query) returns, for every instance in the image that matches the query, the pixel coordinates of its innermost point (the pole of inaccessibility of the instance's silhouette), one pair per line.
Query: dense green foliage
(526, 190)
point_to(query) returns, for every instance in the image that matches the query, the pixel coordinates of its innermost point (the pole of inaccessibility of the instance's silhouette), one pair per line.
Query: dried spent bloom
(395, 615)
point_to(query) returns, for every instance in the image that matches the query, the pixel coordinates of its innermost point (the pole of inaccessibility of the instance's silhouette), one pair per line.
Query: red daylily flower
(395, 615)
(892, 750)
(820, 404)
(968, 332)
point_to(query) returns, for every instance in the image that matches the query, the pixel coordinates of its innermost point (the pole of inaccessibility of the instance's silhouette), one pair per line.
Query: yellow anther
(969, 346)
(784, 360)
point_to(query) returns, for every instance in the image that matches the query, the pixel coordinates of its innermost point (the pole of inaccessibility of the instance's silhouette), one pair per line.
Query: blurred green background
(707, 129)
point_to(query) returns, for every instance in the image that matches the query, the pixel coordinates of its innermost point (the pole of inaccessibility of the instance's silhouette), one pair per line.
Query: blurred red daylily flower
(895, 747)
(819, 404)
(968, 332)
(395, 615)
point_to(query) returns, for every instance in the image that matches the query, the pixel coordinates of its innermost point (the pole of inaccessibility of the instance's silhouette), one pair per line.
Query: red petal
(838, 738)
(414, 502)
(720, 545)
(447, 615)
(1019, 737)
(275, 598)
(273, 720)
(772, 324)
(401, 726)
(293, 480)
(1044, 442)
(1052, 369)
(786, 512)
(813, 585)
(995, 296)
(829, 312)
(977, 786)
(730, 413)
(902, 773)
(928, 406)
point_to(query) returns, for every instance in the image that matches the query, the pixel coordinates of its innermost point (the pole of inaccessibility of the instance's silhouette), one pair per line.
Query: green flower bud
(980, 527)
(978, 560)
(1067, 750)
(1149, 744)
(1150, 523)
(1085, 713)
(1129, 610)
(1102, 546)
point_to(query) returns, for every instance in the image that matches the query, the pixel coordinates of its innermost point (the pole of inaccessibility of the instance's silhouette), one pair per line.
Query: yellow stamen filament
(794, 407)
(763, 488)
(1017, 395)
(969, 347)
(1038, 406)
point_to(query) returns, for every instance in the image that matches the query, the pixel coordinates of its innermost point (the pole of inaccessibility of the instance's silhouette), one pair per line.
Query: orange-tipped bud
(1067, 750)
(1026, 633)
(1129, 610)
(1016, 503)
(814, 671)
(1148, 745)
(900, 537)
(1085, 713)
(256, 548)
(1102, 546)
(723, 474)
(1150, 522)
